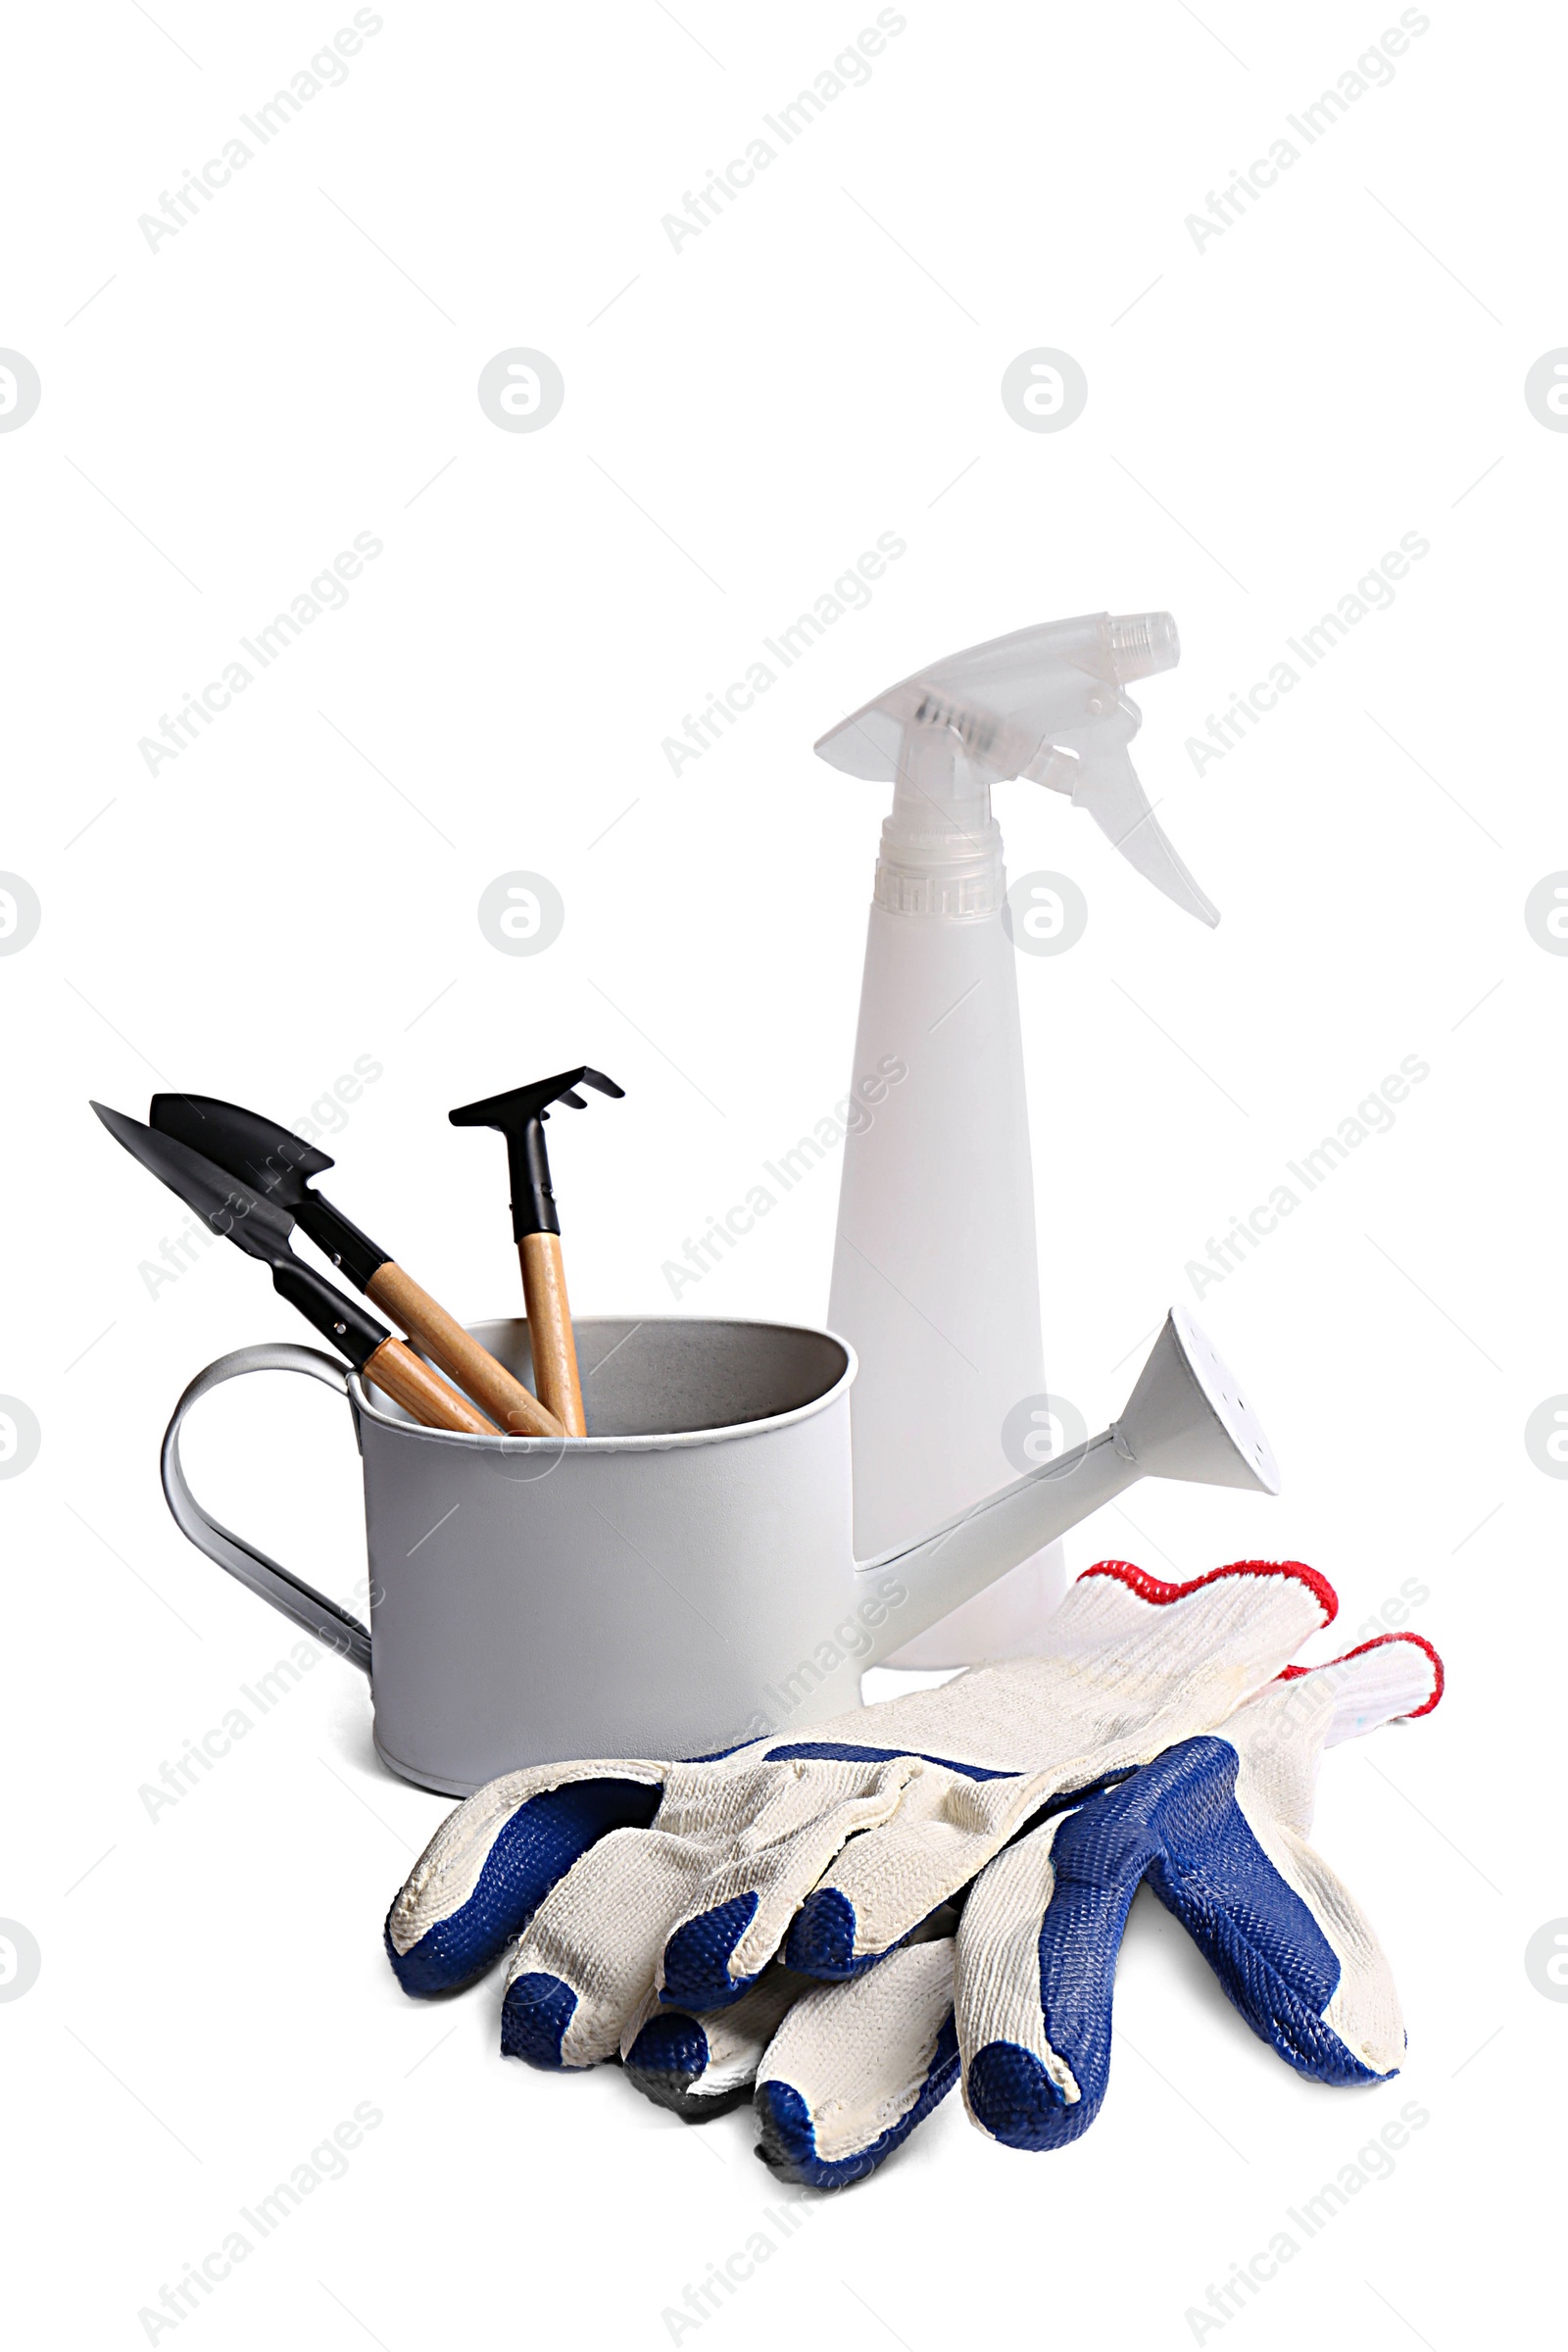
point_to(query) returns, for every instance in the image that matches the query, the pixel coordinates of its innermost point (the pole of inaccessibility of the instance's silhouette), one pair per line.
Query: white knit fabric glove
(1021, 1994)
(643, 1880)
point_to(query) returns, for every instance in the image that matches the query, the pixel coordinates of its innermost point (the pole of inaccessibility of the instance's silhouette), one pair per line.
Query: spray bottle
(934, 1273)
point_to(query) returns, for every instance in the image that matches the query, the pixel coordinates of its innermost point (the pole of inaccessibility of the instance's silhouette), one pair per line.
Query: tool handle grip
(351, 1251)
(516, 1409)
(337, 1317)
(410, 1382)
(555, 1351)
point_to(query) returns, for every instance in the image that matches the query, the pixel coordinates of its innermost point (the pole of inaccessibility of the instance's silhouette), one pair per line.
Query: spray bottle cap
(1045, 704)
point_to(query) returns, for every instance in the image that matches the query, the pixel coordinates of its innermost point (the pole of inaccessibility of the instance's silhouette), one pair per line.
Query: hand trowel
(277, 1162)
(934, 1269)
(262, 1229)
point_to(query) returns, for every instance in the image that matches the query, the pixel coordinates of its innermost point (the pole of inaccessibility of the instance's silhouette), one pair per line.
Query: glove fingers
(1037, 1967)
(1283, 1934)
(1332, 2014)
(854, 2068)
(493, 1861)
(886, 1880)
(586, 1961)
(780, 1827)
(1217, 1823)
(1287, 1942)
(699, 2066)
(1036, 2057)
(1131, 1665)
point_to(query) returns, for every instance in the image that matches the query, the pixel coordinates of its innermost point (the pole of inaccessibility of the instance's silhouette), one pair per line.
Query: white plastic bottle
(935, 1273)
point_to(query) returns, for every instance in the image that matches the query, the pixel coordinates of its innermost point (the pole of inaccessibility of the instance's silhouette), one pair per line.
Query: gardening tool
(686, 1576)
(935, 1274)
(276, 1163)
(536, 1227)
(261, 1228)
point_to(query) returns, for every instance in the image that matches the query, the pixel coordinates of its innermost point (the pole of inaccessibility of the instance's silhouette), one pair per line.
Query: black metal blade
(274, 1162)
(262, 1154)
(258, 1226)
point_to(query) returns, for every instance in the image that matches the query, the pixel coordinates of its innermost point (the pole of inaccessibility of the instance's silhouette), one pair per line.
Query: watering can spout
(1187, 1418)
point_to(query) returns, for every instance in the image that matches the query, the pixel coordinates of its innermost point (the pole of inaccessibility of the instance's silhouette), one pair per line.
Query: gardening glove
(686, 1878)
(885, 2034)
(1022, 1994)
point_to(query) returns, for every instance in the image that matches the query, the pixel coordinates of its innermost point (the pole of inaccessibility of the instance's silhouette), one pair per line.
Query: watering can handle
(320, 1617)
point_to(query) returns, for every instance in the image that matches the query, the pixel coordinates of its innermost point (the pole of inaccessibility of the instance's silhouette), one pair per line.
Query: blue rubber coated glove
(1020, 1998)
(642, 1884)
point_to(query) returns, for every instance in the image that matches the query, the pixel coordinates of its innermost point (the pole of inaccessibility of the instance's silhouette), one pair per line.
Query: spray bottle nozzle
(1046, 704)
(1144, 643)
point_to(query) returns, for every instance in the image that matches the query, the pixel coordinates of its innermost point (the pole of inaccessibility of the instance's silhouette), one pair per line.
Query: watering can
(683, 1578)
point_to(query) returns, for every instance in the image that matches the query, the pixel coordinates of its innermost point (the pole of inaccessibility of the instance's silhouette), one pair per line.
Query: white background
(1268, 416)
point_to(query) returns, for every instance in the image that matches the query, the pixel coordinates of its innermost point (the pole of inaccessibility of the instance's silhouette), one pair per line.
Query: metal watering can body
(683, 1578)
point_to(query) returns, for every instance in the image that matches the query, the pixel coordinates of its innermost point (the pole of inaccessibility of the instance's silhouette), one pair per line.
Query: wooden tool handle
(555, 1351)
(515, 1408)
(424, 1392)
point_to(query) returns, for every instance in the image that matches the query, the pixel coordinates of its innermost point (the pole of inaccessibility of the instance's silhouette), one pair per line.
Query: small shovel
(277, 1162)
(537, 1228)
(261, 1228)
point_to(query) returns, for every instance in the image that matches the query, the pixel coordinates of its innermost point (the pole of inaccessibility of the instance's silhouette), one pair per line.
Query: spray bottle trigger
(1057, 767)
(1110, 790)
